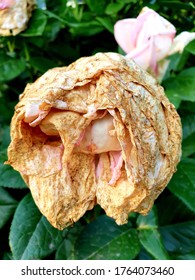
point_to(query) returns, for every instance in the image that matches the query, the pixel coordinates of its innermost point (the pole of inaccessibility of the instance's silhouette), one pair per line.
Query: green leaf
(97, 6)
(179, 240)
(188, 125)
(41, 63)
(66, 251)
(107, 23)
(7, 206)
(150, 237)
(7, 256)
(188, 106)
(3, 156)
(188, 146)
(10, 178)
(173, 97)
(177, 5)
(36, 25)
(10, 67)
(6, 109)
(127, 1)
(31, 235)
(85, 28)
(183, 182)
(181, 87)
(172, 210)
(4, 137)
(190, 256)
(51, 30)
(104, 240)
(191, 47)
(176, 63)
(114, 8)
(148, 221)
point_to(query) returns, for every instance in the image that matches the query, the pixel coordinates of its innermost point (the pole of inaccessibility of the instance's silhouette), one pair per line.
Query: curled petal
(180, 41)
(142, 56)
(122, 32)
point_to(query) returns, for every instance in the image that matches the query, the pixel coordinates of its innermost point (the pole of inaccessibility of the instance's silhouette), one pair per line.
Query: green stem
(11, 46)
(26, 52)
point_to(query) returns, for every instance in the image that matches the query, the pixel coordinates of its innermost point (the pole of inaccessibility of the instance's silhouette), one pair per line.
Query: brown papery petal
(55, 131)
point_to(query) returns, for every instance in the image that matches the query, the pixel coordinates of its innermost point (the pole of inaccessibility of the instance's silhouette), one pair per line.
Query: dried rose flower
(98, 131)
(14, 16)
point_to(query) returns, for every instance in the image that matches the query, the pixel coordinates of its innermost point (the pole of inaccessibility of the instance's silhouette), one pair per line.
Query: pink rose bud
(14, 16)
(147, 39)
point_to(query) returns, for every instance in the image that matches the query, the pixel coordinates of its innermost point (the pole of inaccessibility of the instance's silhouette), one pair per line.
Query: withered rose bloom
(14, 16)
(98, 131)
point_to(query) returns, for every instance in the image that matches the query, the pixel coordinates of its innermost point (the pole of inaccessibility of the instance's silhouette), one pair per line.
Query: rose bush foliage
(58, 33)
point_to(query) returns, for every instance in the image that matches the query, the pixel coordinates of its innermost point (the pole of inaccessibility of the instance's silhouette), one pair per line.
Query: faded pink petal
(180, 41)
(34, 114)
(6, 4)
(141, 56)
(48, 161)
(99, 137)
(116, 163)
(155, 23)
(162, 49)
(122, 30)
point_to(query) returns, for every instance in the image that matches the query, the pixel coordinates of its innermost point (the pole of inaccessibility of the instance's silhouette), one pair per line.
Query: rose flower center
(99, 137)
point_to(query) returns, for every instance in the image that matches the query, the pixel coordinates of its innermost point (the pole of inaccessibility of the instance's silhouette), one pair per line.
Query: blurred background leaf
(7, 206)
(179, 240)
(183, 182)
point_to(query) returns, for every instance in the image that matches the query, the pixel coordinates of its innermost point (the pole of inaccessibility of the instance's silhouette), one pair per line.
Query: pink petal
(99, 169)
(116, 163)
(47, 161)
(162, 46)
(139, 25)
(156, 24)
(34, 114)
(6, 4)
(99, 136)
(122, 32)
(181, 41)
(142, 56)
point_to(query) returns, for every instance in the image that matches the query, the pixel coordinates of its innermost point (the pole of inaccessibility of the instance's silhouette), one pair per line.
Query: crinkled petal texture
(98, 131)
(14, 16)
